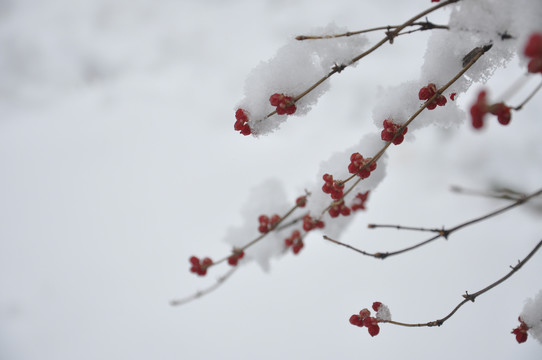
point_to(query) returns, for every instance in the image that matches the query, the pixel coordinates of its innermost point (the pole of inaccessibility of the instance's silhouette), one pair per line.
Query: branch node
(444, 233)
(380, 255)
(469, 297)
(338, 68)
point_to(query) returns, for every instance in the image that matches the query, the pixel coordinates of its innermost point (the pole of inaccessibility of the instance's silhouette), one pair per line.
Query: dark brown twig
(200, 293)
(445, 233)
(470, 297)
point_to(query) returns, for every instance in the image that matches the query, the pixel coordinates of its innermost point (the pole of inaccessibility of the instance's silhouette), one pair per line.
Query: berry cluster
(285, 104)
(339, 209)
(241, 124)
(309, 223)
(294, 241)
(481, 108)
(521, 331)
(301, 201)
(200, 266)
(333, 187)
(533, 50)
(362, 197)
(427, 92)
(365, 319)
(390, 129)
(235, 257)
(267, 224)
(358, 165)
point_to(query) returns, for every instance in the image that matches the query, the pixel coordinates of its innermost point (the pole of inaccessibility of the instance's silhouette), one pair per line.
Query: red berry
(377, 305)
(296, 248)
(452, 96)
(200, 266)
(427, 92)
(275, 219)
(533, 50)
(358, 165)
(535, 65)
(534, 45)
(374, 330)
(390, 129)
(369, 321)
(309, 223)
(285, 104)
(276, 99)
(359, 201)
(301, 201)
(356, 320)
(502, 111)
(521, 331)
(241, 124)
(478, 110)
(364, 314)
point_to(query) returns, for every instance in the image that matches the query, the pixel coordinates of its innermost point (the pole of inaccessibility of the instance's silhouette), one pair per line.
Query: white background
(119, 161)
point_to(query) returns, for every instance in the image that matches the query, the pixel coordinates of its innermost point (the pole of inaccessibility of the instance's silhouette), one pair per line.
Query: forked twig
(441, 233)
(470, 297)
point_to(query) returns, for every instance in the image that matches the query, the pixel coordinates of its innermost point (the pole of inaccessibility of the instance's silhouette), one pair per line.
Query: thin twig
(474, 58)
(425, 25)
(501, 193)
(200, 293)
(528, 97)
(442, 233)
(470, 297)
(400, 227)
(389, 37)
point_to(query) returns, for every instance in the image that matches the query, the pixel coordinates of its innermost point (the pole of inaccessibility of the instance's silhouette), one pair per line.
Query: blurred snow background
(119, 161)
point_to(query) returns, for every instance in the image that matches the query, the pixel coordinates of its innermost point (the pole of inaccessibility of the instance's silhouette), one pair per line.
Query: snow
(532, 316)
(296, 67)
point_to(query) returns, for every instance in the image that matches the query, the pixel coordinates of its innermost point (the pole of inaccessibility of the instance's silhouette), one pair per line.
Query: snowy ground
(119, 161)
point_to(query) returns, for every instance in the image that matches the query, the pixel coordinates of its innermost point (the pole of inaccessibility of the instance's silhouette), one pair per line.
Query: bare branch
(471, 297)
(442, 233)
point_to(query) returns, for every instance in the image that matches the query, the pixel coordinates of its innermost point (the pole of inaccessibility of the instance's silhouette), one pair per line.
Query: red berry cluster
(358, 165)
(339, 209)
(427, 92)
(521, 331)
(235, 257)
(241, 124)
(365, 319)
(533, 50)
(200, 266)
(333, 187)
(390, 129)
(362, 197)
(301, 201)
(267, 224)
(294, 241)
(481, 108)
(285, 104)
(309, 223)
